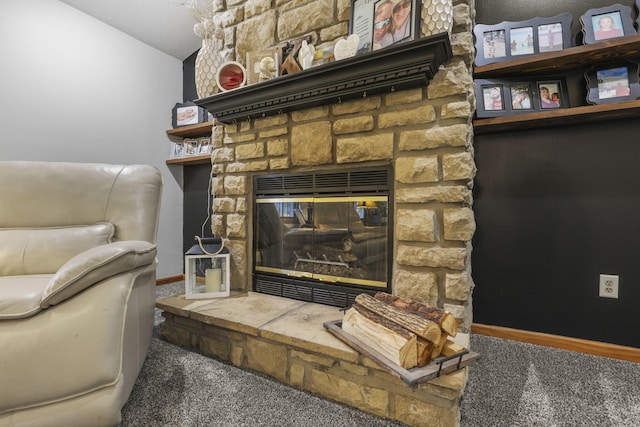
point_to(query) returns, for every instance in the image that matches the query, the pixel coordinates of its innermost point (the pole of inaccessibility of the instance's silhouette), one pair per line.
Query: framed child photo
(521, 96)
(613, 83)
(607, 23)
(491, 98)
(552, 94)
(509, 40)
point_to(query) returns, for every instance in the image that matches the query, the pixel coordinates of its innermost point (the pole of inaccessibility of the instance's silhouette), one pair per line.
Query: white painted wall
(75, 89)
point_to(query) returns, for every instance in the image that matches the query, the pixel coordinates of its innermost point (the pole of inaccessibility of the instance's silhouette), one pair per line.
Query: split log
(437, 348)
(387, 338)
(418, 325)
(425, 351)
(450, 348)
(446, 320)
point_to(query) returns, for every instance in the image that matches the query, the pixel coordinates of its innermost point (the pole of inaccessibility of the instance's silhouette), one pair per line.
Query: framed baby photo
(383, 23)
(613, 83)
(187, 113)
(510, 40)
(607, 23)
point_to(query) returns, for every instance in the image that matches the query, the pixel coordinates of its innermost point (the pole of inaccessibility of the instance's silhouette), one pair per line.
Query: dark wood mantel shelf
(398, 67)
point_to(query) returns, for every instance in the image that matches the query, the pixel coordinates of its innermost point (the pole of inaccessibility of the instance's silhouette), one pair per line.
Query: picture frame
(258, 65)
(606, 23)
(368, 18)
(177, 150)
(552, 94)
(505, 97)
(614, 82)
(509, 40)
(190, 147)
(187, 113)
(204, 146)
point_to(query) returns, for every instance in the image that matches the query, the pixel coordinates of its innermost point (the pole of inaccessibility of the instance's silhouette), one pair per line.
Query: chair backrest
(57, 194)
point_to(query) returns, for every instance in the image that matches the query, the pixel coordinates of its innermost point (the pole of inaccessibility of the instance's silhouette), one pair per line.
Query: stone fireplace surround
(424, 134)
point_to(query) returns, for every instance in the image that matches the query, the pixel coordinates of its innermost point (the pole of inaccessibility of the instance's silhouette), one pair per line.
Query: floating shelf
(190, 160)
(565, 116)
(398, 67)
(563, 60)
(191, 131)
(557, 62)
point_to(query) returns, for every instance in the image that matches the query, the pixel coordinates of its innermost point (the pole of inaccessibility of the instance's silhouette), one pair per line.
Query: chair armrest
(96, 264)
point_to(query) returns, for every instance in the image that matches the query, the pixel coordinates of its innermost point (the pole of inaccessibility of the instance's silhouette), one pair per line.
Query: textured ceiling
(166, 25)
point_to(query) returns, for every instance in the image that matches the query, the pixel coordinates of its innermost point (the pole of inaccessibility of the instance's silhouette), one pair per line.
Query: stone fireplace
(417, 131)
(422, 134)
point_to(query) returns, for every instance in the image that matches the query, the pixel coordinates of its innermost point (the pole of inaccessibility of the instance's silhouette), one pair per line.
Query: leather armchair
(77, 278)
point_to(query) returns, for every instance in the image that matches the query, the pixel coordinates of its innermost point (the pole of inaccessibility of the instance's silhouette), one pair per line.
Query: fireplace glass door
(329, 239)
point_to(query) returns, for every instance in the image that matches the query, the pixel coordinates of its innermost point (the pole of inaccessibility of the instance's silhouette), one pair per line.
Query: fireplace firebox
(323, 236)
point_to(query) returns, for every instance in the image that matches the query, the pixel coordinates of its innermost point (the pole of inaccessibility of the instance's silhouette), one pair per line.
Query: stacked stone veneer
(285, 340)
(424, 133)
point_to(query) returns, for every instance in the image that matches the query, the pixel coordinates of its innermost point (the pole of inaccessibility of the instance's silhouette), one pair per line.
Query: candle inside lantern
(213, 280)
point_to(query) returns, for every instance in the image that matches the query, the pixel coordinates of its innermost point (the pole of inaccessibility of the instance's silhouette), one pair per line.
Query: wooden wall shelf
(555, 63)
(566, 116)
(190, 131)
(190, 160)
(406, 65)
(563, 60)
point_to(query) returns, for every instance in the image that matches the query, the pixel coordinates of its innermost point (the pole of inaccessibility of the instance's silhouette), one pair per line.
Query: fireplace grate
(360, 181)
(310, 291)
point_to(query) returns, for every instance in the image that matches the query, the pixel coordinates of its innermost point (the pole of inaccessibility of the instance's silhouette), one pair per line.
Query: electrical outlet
(609, 286)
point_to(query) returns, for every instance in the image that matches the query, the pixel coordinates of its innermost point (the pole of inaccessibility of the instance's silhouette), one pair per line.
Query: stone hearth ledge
(246, 327)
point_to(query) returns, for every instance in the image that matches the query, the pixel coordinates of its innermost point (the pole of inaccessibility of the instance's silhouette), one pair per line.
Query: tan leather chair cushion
(44, 250)
(95, 265)
(20, 296)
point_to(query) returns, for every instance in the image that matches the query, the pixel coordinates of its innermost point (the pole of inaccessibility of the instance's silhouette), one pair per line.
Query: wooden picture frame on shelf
(506, 97)
(606, 23)
(509, 40)
(611, 83)
(368, 19)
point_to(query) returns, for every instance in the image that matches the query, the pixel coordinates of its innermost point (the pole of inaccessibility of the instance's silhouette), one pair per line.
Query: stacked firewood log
(407, 332)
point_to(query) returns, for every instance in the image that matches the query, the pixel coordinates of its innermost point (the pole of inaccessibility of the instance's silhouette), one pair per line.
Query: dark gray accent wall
(555, 207)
